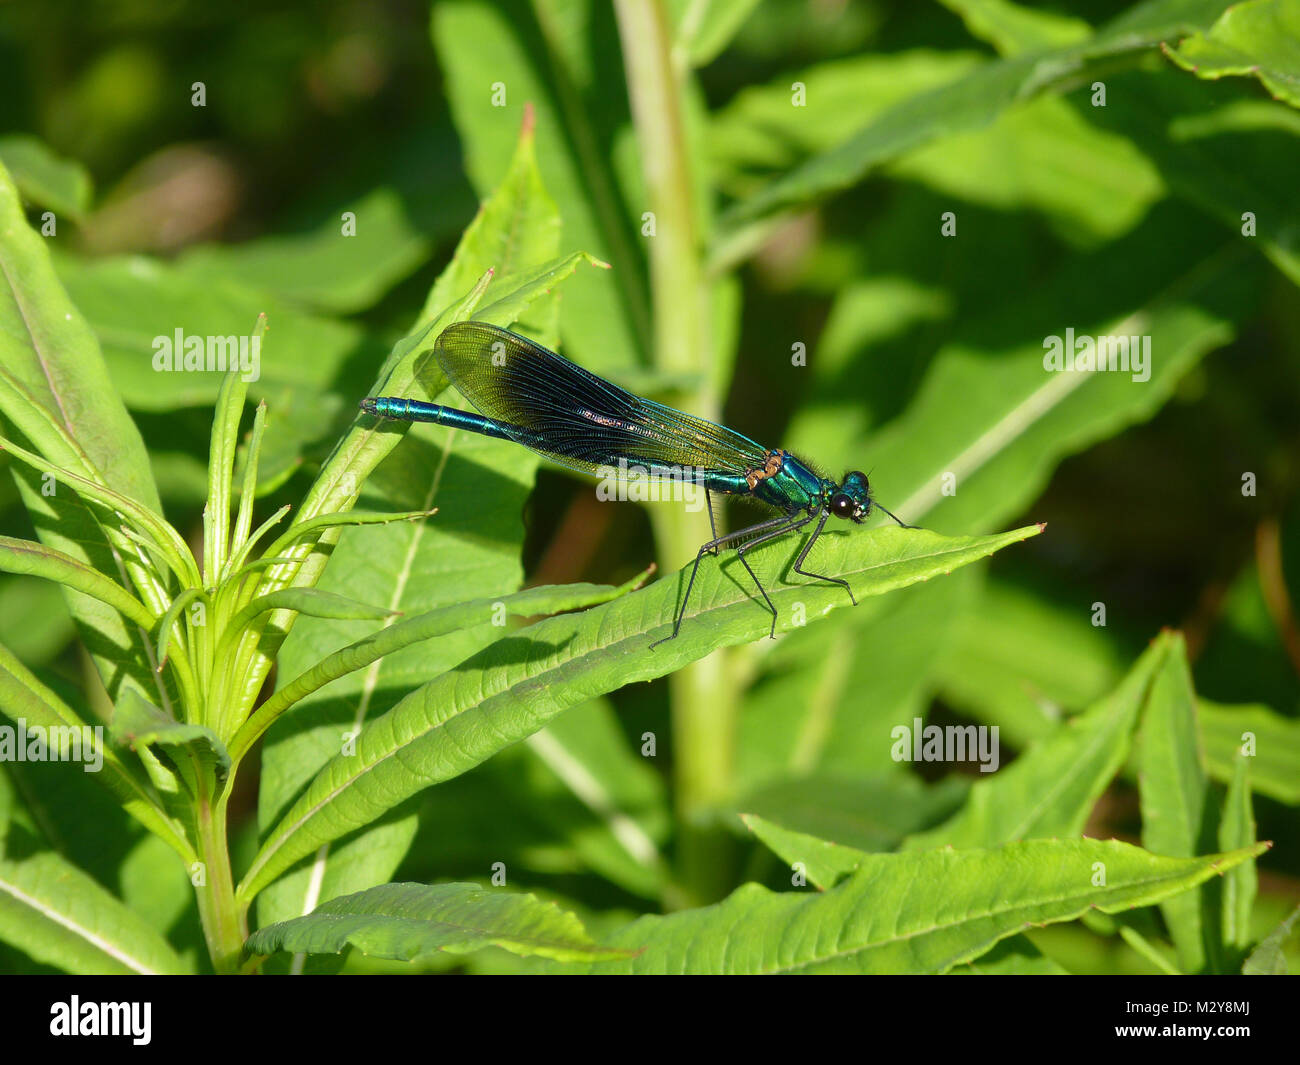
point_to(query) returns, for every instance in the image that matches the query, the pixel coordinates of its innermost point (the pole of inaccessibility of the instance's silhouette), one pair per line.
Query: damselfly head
(852, 499)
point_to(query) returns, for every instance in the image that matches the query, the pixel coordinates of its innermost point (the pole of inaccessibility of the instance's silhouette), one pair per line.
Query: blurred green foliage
(821, 226)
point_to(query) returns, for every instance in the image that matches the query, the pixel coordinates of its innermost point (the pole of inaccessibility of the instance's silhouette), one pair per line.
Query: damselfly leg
(773, 528)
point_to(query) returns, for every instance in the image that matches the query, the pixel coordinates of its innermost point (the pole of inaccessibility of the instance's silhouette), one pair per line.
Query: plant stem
(223, 924)
(703, 708)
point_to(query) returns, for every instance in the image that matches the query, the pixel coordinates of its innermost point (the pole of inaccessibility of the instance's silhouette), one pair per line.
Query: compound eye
(841, 505)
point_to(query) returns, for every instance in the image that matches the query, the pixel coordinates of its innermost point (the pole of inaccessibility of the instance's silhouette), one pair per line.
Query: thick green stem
(703, 710)
(223, 923)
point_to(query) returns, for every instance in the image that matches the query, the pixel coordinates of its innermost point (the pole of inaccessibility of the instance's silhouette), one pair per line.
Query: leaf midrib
(361, 771)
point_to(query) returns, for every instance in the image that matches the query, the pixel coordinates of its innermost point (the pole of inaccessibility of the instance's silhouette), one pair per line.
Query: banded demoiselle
(528, 394)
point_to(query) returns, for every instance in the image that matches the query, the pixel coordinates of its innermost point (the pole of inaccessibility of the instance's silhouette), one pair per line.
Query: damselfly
(528, 394)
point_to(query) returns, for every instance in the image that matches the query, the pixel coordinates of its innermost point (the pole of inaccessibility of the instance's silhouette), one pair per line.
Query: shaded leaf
(58, 915)
(1268, 959)
(1013, 28)
(1015, 956)
(414, 922)
(865, 812)
(1050, 790)
(323, 268)
(1274, 743)
(138, 723)
(1237, 829)
(1178, 814)
(967, 103)
(707, 27)
(23, 697)
(44, 178)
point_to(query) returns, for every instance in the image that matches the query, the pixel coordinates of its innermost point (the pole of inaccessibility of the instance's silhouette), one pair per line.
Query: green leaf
(226, 416)
(252, 453)
(1044, 154)
(304, 528)
(509, 690)
(133, 303)
(707, 27)
(58, 394)
(969, 103)
(415, 922)
(312, 602)
(472, 553)
(923, 912)
(24, 698)
(1013, 28)
(551, 57)
(58, 915)
(549, 599)
(152, 529)
(786, 732)
(368, 443)
(1157, 956)
(1236, 830)
(1274, 745)
(586, 782)
(758, 135)
(823, 862)
(44, 178)
(26, 557)
(49, 349)
(866, 812)
(1091, 184)
(1050, 790)
(517, 228)
(1016, 956)
(34, 620)
(141, 308)
(1022, 660)
(140, 724)
(323, 268)
(1229, 158)
(989, 418)
(157, 887)
(1256, 38)
(1178, 814)
(525, 287)
(1268, 959)
(9, 805)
